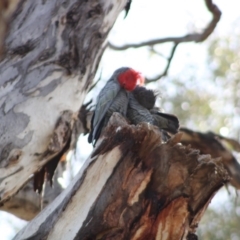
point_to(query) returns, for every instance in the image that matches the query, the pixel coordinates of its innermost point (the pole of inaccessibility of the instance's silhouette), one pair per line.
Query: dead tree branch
(192, 37)
(143, 189)
(165, 72)
(213, 144)
(208, 143)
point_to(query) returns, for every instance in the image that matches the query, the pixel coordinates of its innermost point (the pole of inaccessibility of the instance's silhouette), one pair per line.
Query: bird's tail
(168, 122)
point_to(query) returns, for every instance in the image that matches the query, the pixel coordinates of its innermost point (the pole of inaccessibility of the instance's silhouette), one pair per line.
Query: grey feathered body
(112, 98)
(137, 113)
(119, 105)
(141, 109)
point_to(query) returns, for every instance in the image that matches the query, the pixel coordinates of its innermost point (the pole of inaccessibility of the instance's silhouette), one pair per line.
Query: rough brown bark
(214, 144)
(52, 51)
(133, 187)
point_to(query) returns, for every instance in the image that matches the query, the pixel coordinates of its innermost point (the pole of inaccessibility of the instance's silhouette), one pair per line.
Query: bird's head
(146, 97)
(128, 78)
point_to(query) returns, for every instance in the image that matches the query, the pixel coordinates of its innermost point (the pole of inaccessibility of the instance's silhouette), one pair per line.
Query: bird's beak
(141, 79)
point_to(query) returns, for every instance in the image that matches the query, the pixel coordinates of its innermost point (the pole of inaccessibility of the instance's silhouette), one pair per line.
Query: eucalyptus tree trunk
(52, 51)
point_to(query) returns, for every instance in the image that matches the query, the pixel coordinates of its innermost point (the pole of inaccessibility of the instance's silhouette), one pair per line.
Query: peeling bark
(7, 7)
(133, 187)
(213, 144)
(26, 204)
(52, 51)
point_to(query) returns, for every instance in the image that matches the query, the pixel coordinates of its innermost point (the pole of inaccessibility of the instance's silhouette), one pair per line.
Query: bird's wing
(168, 122)
(104, 100)
(138, 113)
(120, 104)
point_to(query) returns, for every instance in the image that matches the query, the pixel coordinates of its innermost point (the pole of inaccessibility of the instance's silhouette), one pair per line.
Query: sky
(150, 20)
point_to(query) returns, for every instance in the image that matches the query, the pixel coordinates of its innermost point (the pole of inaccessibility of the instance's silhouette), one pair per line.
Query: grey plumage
(106, 98)
(165, 121)
(112, 98)
(120, 105)
(141, 109)
(145, 97)
(137, 113)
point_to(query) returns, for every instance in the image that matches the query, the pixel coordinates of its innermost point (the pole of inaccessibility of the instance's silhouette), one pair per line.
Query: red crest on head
(130, 79)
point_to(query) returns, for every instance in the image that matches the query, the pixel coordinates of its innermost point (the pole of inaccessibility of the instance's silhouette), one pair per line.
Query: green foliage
(210, 101)
(196, 106)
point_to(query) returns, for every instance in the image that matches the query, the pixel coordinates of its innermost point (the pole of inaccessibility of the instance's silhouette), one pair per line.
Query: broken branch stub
(213, 144)
(133, 187)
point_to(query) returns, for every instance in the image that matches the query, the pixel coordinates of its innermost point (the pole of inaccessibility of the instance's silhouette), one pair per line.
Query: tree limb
(165, 72)
(211, 143)
(192, 37)
(132, 187)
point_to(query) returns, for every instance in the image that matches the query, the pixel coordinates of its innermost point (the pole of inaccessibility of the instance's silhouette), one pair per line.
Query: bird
(142, 108)
(112, 98)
